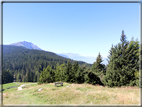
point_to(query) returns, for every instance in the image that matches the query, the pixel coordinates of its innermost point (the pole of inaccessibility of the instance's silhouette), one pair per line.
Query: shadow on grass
(58, 86)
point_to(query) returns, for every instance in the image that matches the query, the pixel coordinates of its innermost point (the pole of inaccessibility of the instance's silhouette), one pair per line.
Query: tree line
(122, 68)
(27, 64)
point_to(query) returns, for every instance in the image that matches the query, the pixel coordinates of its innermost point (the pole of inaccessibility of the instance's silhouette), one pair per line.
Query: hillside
(72, 56)
(23, 61)
(19, 51)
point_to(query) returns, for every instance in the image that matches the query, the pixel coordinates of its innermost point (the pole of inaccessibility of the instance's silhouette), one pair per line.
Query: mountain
(78, 57)
(22, 61)
(72, 56)
(15, 57)
(63, 55)
(26, 44)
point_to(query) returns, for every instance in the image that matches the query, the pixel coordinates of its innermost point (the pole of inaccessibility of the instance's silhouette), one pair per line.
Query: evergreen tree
(98, 68)
(91, 78)
(112, 73)
(52, 75)
(29, 77)
(75, 68)
(62, 68)
(47, 75)
(135, 45)
(133, 62)
(42, 77)
(17, 77)
(35, 78)
(110, 54)
(6, 77)
(57, 73)
(79, 76)
(68, 72)
(38, 75)
(122, 64)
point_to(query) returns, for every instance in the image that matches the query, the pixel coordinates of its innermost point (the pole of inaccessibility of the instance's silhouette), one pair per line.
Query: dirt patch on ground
(41, 84)
(93, 92)
(5, 94)
(47, 88)
(31, 87)
(129, 88)
(12, 94)
(125, 98)
(77, 92)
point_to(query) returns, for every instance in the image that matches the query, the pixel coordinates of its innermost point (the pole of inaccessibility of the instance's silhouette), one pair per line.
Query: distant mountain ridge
(73, 56)
(63, 55)
(26, 44)
(15, 56)
(78, 57)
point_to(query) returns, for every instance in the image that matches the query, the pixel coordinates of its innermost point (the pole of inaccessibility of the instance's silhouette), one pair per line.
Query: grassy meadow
(8, 85)
(71, 94)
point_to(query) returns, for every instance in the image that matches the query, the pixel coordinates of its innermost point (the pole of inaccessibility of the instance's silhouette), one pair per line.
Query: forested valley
(44, 67)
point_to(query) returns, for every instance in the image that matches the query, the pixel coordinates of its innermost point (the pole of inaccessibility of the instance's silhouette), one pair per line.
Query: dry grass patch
(127, 98)
(74, 94)
(123, 96)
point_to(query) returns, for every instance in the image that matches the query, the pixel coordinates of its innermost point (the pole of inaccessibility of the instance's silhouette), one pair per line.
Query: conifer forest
(29, 65)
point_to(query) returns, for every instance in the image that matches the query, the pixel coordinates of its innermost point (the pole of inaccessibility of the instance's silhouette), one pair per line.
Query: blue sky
(82, 28)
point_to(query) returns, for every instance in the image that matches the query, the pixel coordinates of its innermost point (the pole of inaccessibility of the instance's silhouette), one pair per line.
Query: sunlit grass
(74, 94)
(9, 85)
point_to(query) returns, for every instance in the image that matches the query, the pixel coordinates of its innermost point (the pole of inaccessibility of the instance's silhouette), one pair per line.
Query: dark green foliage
(47, 76)
(112, 74)
(98, 68)
(58, 73)
(123, 63)
(7, 77)
(75, 69)
(18, 78)
(28, 63)
(79, 77)
(29, 76)
(68, 72)
(35, 78)
(62, 69)
(91, 78)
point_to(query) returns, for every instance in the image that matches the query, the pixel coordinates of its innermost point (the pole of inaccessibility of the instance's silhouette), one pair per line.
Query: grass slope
(8, 85)
(74, 94)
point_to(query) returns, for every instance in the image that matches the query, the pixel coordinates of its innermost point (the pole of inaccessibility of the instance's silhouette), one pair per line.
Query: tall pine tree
(98, 68)
(47, 75)
(68, 72)
(122, 64)
(75, 68)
